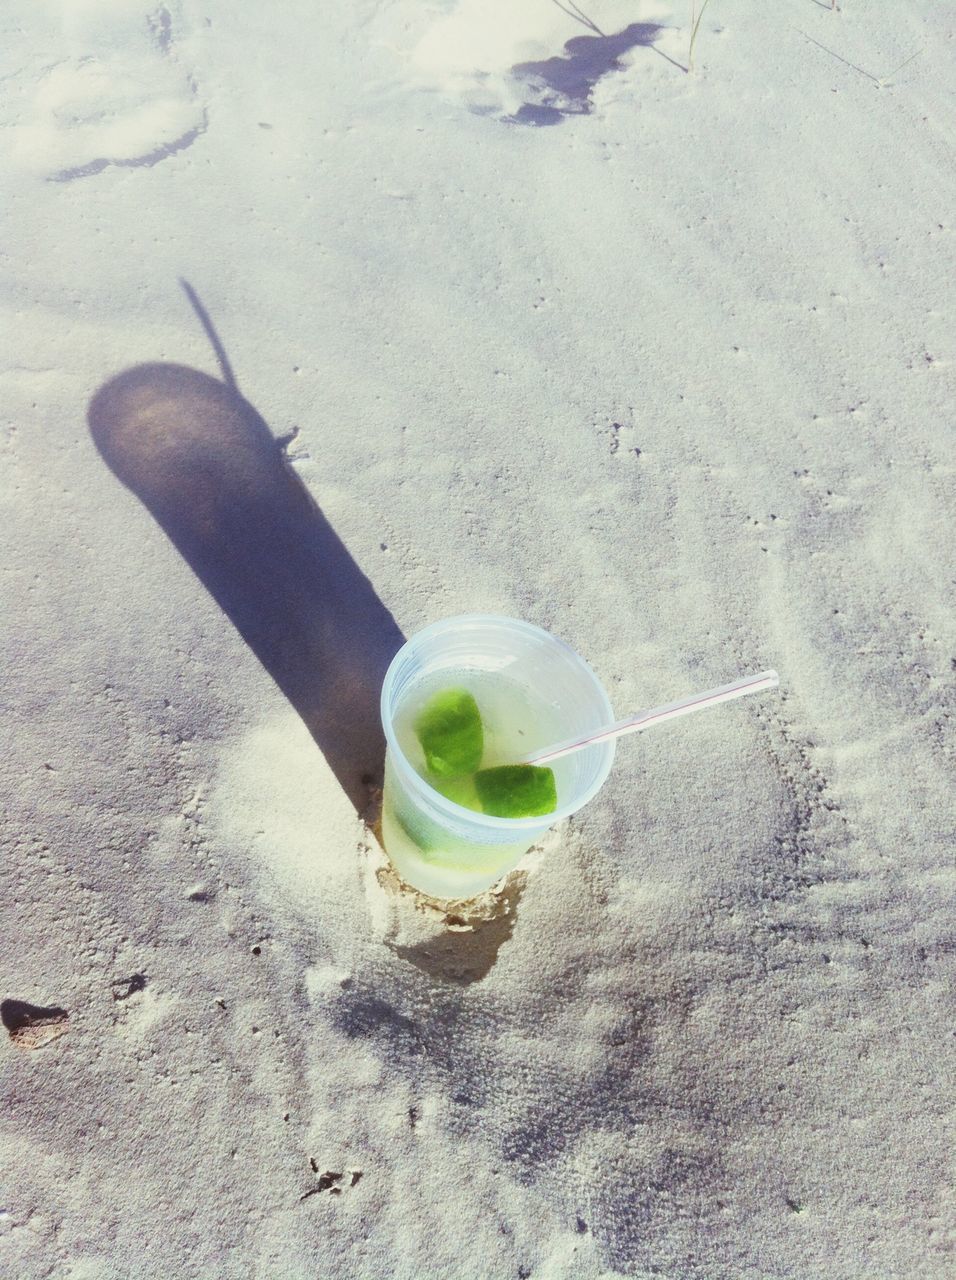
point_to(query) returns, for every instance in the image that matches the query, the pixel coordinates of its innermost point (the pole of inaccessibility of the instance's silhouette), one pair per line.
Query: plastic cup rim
(448, 807)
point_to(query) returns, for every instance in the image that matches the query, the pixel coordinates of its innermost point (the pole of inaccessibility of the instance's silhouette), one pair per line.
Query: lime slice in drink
(450, 731)
(517, 791)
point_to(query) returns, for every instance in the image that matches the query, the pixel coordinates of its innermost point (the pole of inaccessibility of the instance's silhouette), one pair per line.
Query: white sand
(668, 370)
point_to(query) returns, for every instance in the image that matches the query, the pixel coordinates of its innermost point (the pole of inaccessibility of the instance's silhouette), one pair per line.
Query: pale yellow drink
(532, 690)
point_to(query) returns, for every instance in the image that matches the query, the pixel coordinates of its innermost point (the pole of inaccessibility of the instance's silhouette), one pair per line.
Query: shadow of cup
(203, 462)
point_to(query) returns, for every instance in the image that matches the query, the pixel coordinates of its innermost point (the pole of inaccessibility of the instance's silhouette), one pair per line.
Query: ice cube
(450, 731)
(517, 791)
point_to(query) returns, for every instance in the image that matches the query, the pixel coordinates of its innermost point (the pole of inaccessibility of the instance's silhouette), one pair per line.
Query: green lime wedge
(450, 731)
(517, 791)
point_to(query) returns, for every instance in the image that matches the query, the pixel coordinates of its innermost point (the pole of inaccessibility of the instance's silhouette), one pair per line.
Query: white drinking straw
(657, 715)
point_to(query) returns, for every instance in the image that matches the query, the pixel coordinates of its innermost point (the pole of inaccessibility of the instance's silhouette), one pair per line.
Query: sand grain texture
(523, 319)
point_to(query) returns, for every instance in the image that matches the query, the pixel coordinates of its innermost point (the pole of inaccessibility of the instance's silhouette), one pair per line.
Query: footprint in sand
(118, 93)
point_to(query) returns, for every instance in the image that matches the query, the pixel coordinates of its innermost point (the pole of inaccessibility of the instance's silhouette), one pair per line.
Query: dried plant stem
(880, 81)
(578, 14)
(693, 34)
(886, 79)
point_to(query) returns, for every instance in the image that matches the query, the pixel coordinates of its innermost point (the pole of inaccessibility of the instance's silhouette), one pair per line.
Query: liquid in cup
(532, 690)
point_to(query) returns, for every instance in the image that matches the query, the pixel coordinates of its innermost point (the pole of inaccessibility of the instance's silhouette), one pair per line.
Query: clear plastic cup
(438, 846)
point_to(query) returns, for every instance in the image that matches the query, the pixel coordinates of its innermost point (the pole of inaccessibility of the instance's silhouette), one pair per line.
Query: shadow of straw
(203, 462)
(566, 82)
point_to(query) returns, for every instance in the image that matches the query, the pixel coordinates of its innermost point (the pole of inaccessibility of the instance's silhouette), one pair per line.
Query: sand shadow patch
(562, 86)
(454, 942)
(31, 1026)
(586, 1067)
(465, 944)
(205, 464)
(124, 988)
(622, 1144)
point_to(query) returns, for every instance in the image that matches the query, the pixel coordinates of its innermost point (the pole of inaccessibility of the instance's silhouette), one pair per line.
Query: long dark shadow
(207, 467)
